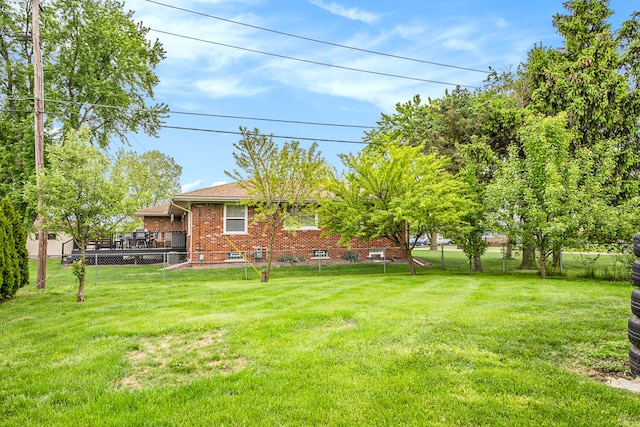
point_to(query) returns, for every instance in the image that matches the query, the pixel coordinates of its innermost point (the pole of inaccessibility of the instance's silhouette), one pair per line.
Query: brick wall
(162, 223)
(207, 234)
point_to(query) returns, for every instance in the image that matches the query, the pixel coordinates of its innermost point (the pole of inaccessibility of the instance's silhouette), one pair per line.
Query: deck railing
(137, 240)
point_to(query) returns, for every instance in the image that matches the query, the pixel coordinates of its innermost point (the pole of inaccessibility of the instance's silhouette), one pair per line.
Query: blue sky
(204, 77)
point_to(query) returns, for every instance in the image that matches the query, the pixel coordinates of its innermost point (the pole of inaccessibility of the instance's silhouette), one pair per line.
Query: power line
(310, 61)
(240, 133)
(439, 64)
(272, 120)
(269, 136)
(187, 113)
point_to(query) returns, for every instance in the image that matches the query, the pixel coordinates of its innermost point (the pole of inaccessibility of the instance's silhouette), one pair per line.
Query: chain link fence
(612, 263)
(609, 262)
(168, 264)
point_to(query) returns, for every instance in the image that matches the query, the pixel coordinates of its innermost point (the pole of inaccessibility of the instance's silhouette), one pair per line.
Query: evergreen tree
(17, 230)
(8, 257)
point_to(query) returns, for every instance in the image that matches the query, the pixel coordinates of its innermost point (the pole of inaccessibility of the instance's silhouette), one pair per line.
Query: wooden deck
(113, 252)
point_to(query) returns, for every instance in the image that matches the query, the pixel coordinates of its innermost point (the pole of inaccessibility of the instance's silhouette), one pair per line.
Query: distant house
(54, 244)
(219, 228)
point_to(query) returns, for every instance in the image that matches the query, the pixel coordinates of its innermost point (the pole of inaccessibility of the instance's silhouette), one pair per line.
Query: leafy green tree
(85, 195)
(541, 189)
(393, 191)
(99, 69)
(282, 182)
(479, 163)
(151, 177)
(593, 77)
(17, 158)
(98, 72)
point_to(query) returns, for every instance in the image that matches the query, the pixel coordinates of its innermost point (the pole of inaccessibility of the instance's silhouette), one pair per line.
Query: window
(50, 236)
(235, 219)
(302, 222)
(377, 253)
(234, 256)
(320, 253)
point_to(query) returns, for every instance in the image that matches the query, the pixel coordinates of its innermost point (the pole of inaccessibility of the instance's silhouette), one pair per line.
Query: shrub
(291, 259)
(350, 256)
(14, 258)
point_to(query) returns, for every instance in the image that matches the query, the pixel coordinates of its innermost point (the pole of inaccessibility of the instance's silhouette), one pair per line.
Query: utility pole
(38, 99)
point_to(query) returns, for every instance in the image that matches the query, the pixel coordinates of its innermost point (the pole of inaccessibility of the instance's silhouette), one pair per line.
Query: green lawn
(351, 347)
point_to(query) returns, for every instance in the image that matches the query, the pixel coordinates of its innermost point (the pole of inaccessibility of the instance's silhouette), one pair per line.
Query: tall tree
(541, 189)
(151, 177)
(284, 183)
(479, 163)
(17, 232)
(9, 281)
(98, 71)
(593, 77)
(17, 156)
(85, 195)
(393, 191)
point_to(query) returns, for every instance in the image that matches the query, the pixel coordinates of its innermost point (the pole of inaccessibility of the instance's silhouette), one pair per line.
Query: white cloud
(500, 22)
(227, 87)
(192, 186)
(352, 13)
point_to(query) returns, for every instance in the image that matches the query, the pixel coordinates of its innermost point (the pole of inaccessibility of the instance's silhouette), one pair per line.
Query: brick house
(218, 227)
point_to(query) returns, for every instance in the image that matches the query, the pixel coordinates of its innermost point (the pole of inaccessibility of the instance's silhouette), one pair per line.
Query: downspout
(189, 227)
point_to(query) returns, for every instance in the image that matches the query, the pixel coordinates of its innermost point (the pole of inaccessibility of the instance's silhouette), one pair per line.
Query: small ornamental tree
(284, 183)
(393, 190)
(85, 195)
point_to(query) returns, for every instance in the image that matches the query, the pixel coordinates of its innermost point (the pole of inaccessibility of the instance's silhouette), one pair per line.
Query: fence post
(442, 255)
(165, 261)
(96, 262)
(319, 266)
(384, 260)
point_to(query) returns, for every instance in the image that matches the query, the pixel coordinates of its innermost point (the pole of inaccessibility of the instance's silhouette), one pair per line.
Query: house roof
(232, 192)
(160, 210)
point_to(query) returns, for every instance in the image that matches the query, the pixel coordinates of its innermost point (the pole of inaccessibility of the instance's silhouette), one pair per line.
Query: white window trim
(316, 251)
(246, 219)
(377, 253)
(234, 256)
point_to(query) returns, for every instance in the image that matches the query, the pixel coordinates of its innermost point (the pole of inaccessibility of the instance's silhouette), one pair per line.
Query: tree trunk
(433, 240)
(557, 252)
(272, 238)
(528, 258)
(508, 254)
(81, 272)
(412, 264)
(477, 263)
(543, 265)
(80, 297)
(265, 271)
